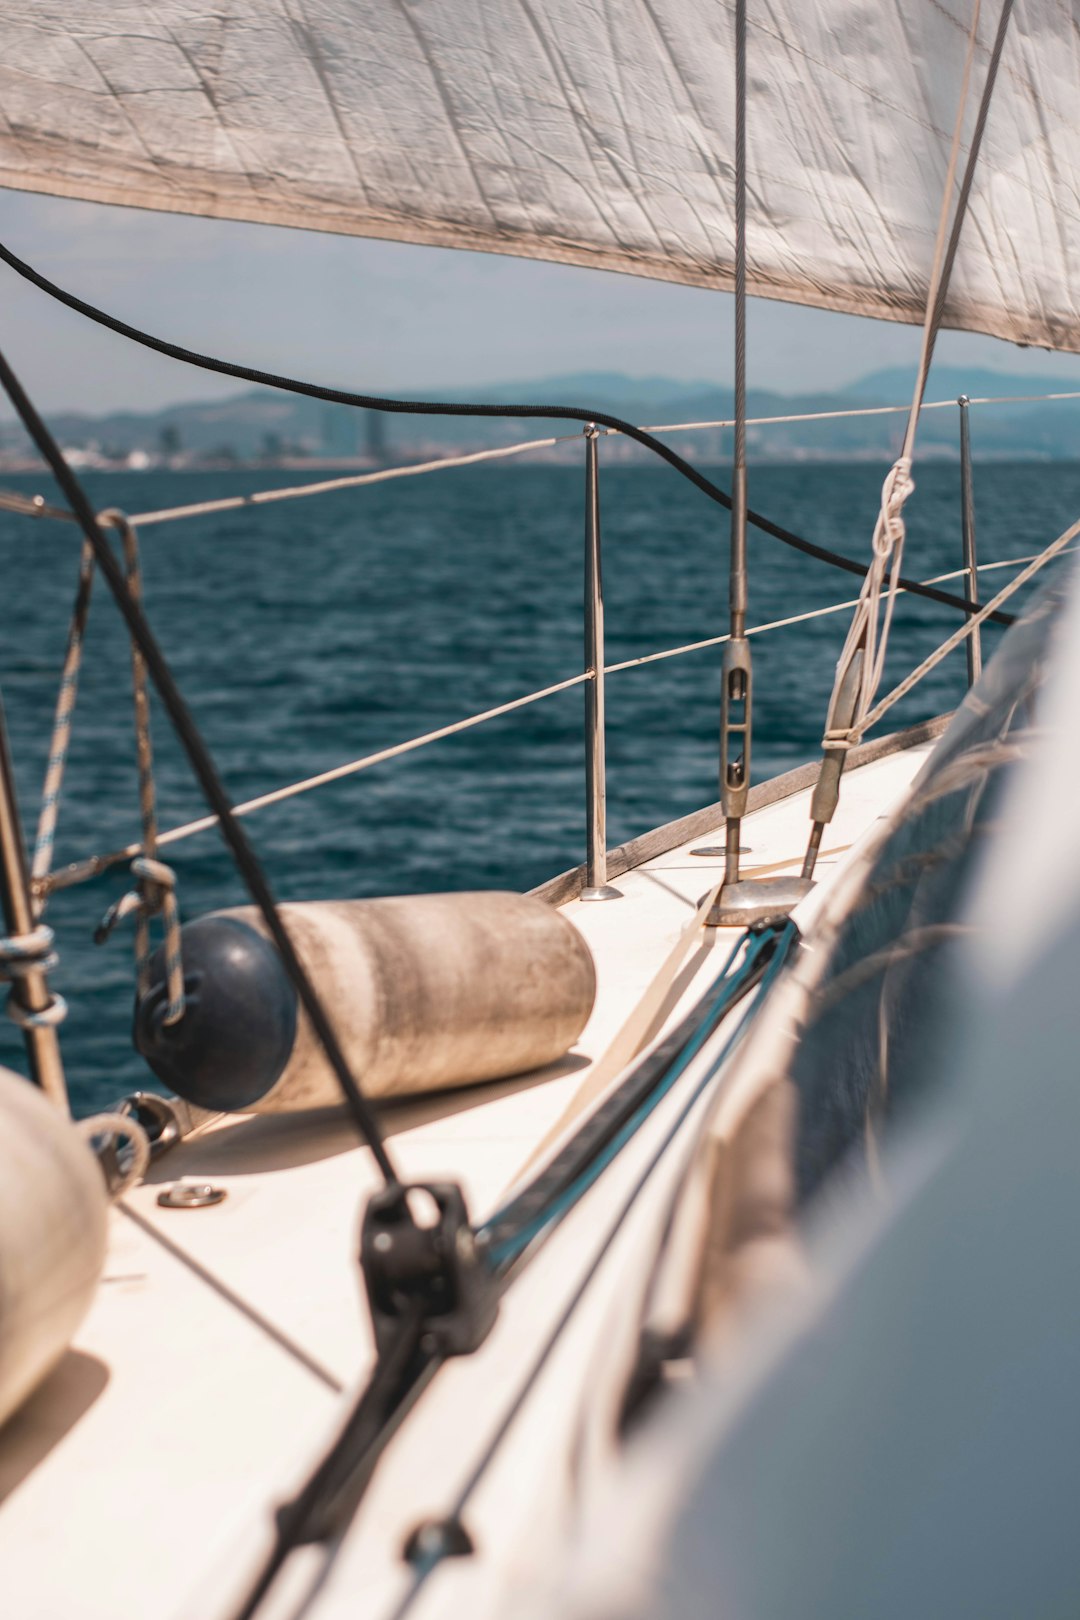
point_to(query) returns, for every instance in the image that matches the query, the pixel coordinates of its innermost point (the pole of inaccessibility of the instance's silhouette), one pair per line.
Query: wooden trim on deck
(568, 885)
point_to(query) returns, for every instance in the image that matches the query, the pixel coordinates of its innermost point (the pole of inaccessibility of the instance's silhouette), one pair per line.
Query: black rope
(405, 407)
(244, 855)
(325, 1505)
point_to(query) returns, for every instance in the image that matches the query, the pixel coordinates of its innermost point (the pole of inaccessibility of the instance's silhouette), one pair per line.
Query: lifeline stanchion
(967, 519)
(746, 901)
(597, 886)
(736, 706)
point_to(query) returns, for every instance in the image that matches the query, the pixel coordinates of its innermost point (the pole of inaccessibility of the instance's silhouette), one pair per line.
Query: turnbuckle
(436, 1265)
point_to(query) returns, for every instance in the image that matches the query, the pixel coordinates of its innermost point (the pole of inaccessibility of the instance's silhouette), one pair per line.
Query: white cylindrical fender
(424, 992)
(53, 1206)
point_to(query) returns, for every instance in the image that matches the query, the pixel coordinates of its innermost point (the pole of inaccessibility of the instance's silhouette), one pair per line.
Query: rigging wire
(203, 765)
(862, 658)
(91, 866)
(1054, 549)
(402, 407)
(865, 639)
(858, 410)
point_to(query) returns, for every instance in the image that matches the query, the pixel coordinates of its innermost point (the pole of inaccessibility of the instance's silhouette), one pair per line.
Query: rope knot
(155, 882)
(21, 954)
(154, 895)
(26, 953)
(895, 491)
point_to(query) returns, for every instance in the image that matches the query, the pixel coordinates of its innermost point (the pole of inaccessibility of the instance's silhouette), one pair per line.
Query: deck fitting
(435, 1539)
(190, 1195)
(757, 900)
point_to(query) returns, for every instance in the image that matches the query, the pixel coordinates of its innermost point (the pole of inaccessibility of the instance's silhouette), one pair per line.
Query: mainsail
(591, 132)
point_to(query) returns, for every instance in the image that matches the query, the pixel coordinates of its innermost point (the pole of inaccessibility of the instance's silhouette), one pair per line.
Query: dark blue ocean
(308, 633)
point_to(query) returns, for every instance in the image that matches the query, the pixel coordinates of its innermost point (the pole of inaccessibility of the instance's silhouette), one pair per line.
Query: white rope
(912, 679)
(992, 567)
(24, 954)
(105, 1129)
(718, 641)
(868, 634)
(63, 713)
(353, 481)
(860, 410)
(31, 505)
(1007, 399)
(811, 613)
(98, 863)
(154, 893)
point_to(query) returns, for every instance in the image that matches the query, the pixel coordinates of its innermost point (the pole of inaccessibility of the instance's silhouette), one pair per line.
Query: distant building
(339, 431)
(348, 432)
(375, 423)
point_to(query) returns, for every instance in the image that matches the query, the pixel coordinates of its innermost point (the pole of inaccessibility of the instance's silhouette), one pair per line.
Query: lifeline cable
(405, 407)
(244, 855)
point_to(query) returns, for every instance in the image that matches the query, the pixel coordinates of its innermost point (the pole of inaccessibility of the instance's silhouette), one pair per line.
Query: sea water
(307, 633)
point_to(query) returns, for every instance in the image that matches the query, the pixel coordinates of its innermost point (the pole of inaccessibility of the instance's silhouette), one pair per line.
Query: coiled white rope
(21, 954)
(101, 1132)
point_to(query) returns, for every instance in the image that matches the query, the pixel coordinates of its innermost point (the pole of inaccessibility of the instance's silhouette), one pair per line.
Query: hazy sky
(379, 316)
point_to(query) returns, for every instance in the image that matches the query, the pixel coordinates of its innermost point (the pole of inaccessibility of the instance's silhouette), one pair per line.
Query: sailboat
(691, 1235)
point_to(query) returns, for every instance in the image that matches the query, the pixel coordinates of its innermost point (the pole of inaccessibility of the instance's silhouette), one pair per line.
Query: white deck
(207, 1376)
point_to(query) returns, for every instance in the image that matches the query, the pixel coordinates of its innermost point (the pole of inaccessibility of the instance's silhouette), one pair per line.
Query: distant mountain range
(260, 424)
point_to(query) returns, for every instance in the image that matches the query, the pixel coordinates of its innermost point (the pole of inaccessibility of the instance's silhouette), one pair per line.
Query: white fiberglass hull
(226, 1342)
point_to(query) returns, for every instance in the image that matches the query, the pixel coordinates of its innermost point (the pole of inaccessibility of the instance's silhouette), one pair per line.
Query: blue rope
(731, 984)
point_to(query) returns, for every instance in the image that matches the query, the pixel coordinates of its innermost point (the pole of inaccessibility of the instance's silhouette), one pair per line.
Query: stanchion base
(604, 892)
(757, 900)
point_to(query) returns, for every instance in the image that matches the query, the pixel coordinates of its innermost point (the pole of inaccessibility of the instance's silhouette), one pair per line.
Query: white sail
(596, 133)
